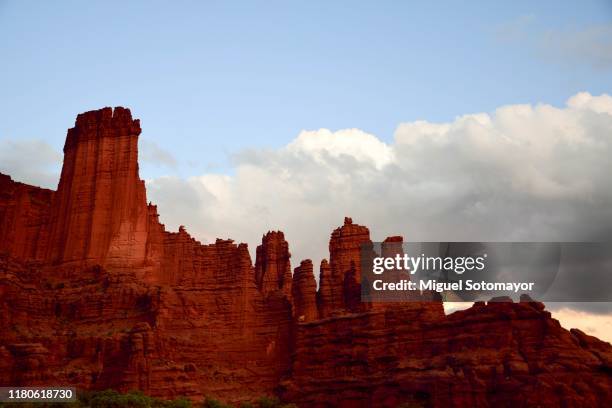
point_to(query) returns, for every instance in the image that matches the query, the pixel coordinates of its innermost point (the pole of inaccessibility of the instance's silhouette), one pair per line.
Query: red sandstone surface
(95, 293)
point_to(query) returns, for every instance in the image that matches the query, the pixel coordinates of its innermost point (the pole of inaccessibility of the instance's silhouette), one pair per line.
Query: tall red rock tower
(324, 294)
(99, 213)
(303, 292)
(272, 264)
(344, 255)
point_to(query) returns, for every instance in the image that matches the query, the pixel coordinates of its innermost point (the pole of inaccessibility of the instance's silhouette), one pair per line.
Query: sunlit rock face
(95, 293)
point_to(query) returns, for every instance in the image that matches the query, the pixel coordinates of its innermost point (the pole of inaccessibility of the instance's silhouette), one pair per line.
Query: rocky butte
(94, 292)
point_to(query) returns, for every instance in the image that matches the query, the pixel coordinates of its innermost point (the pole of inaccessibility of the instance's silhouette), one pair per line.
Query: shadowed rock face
(304, 292)
(272, 264)
(94, 292)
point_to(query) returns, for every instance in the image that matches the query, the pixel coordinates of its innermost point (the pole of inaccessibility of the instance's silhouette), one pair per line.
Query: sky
(209, 78)
(446, 121)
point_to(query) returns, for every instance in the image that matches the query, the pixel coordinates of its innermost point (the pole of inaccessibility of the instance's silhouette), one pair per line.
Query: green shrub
(178, 403)
(113, 399)
(268, 402)
(210, 402)
(133, 399)
(137, 399)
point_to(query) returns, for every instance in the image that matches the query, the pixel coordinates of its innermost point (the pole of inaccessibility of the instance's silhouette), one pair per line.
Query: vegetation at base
(107, 399)
(137, 399)
(134, 399)
(262, 402)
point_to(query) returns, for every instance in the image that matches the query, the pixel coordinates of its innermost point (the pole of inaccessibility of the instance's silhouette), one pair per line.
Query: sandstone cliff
(94, 292)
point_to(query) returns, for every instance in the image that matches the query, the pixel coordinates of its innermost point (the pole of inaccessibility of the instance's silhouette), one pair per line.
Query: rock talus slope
(94, 292)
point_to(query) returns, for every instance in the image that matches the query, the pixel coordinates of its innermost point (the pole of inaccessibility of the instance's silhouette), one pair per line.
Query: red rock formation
(109, 269)
(272, 265)
(344, 246)
(99, 213)
(324, 294)
(24, 210)
(304, 289)
(344, 251)
(499, 354)
(392, 246)
(95, 293)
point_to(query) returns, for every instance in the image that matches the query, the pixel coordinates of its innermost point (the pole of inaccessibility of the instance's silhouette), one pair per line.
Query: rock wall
(495, 354)
(24, 213)
(94, 292)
